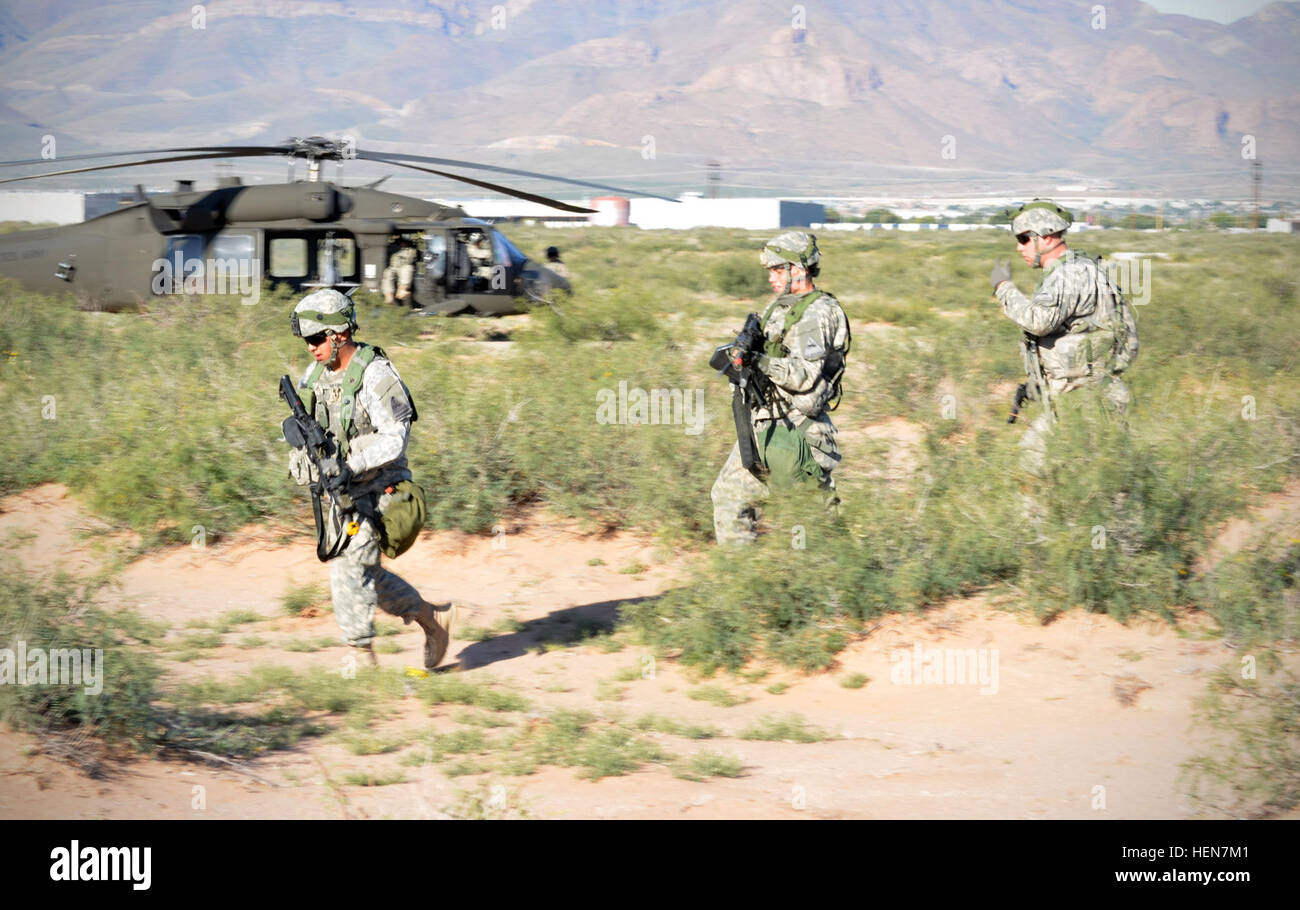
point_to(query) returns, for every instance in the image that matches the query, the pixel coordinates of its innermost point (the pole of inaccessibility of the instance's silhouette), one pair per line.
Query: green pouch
(787, 455)
(402, 519)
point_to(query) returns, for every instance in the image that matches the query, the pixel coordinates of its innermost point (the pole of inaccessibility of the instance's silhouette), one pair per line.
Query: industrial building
(691, 211)
(59, 207)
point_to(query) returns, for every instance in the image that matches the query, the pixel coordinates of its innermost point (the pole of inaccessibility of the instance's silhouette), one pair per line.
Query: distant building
(59, 207)
(1283, 226)
(692, 211)
(752, 214)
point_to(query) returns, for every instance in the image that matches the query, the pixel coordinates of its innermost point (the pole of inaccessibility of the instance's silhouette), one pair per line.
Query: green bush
(120, 717)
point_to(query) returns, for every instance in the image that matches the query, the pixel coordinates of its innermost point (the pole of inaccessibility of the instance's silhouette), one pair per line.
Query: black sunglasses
(1023, 238)
(318, 338)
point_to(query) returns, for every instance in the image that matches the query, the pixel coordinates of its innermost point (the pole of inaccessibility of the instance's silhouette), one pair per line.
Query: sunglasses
(318, 338)
(1023, 238)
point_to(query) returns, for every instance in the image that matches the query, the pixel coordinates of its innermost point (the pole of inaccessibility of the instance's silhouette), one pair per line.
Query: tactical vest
(352, 379)
(834, 362)
(1111, 315)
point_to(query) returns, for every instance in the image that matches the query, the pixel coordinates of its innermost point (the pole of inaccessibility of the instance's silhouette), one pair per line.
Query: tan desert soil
(1085, 709)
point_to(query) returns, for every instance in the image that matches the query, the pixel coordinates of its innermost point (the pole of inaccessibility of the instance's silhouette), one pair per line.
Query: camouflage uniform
(802, 391)
(381, 425)
(1075, 325)
(400, 271)
(380, 430)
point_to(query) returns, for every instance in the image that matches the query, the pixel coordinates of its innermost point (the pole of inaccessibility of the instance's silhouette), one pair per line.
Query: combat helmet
(1041, 217)
(791, 248)
(325, 310)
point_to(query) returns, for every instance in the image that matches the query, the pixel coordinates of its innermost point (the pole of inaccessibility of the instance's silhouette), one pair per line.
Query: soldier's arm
(386, 401)
(809, 341)
(1041, 314)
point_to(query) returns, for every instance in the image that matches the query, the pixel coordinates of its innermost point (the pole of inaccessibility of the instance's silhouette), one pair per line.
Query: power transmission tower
(715, 179)
(1257, 177)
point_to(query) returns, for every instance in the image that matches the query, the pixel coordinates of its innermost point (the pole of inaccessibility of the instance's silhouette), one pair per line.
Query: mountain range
(824, 97)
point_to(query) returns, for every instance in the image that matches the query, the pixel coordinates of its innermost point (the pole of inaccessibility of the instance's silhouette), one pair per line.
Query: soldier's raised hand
(1001, 272)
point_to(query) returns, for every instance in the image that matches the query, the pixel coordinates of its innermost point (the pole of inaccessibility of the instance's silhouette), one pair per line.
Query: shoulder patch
(400, 407)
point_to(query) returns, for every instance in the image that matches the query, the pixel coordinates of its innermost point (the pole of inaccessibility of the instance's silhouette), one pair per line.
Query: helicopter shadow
(560, 629)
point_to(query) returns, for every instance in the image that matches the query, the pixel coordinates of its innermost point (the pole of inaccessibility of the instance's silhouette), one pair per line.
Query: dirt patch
(1281, 511)
(967, 711)
(902, 441)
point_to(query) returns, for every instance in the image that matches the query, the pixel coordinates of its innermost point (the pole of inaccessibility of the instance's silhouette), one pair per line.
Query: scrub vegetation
(169, 419)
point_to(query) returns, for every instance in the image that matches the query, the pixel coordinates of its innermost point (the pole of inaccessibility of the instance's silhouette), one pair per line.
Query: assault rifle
(1022, 395)
(303, 432)
(750, 387)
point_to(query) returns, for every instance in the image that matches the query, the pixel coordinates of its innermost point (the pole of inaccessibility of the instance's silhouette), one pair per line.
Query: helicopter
(307, 234)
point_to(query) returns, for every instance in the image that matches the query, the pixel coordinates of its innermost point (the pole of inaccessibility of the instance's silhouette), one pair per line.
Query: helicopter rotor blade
(495, 187)
(395, 158)
(108, 167)
(229, 151)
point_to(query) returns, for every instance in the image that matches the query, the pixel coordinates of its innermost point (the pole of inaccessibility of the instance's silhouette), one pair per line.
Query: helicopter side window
(236, 249)
(336, 259)
(345, 255)
(184, 255)
(288, 257)
(435, 255)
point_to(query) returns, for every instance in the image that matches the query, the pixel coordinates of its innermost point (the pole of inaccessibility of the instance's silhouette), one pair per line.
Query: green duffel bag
(787, 455)
(402, 518)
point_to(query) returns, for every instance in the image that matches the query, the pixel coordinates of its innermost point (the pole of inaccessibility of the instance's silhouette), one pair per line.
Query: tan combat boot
(369, 651)
(436, 621)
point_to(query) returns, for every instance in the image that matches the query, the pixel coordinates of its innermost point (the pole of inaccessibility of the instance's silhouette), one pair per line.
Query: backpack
(1123, 321)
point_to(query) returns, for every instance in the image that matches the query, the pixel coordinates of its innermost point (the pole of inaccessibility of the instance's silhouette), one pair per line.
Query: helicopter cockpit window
(506, 254)
(288, 257)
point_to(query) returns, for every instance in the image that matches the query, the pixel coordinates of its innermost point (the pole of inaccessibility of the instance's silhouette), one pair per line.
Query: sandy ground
(1084, 718)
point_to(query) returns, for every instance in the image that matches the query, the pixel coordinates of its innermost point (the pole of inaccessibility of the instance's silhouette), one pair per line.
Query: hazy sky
(1218, 10)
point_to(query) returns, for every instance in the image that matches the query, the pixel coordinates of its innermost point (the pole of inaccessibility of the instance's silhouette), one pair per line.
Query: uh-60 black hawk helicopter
(308, 234)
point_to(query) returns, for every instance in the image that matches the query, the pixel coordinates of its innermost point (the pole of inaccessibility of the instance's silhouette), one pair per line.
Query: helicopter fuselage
(307, 235)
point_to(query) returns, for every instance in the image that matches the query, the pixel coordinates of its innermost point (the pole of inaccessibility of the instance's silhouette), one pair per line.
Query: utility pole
(715, 179)
(1257, 177)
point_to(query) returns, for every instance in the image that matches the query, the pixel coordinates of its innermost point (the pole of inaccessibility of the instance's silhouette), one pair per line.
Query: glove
(300, 467)
(341, 480)
(1001, 272)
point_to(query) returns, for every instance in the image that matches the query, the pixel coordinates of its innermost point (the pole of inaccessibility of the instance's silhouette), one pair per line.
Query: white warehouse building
(754, 214)
(692, 211)
(58, 207)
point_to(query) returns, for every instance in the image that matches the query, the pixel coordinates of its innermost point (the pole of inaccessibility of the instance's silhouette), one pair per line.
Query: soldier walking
(355, 393)
(805, 341)
(1079, 332)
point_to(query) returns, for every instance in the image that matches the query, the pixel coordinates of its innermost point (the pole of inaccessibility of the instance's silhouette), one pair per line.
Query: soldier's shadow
(554, 631)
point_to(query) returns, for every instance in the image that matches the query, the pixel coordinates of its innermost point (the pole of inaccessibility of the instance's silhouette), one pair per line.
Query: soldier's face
(1025, 246)
(322, 350)
(1029, 245)
(776, 278)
